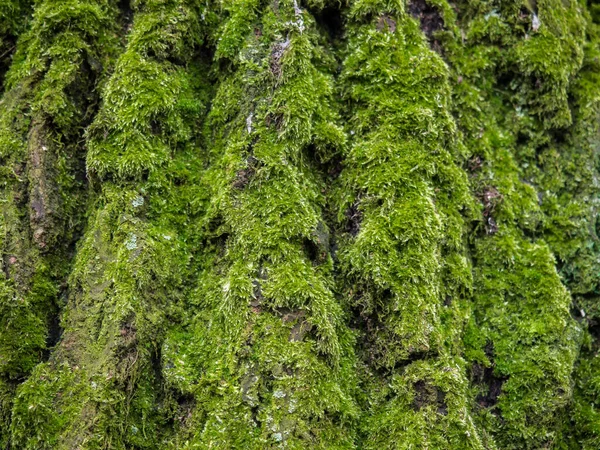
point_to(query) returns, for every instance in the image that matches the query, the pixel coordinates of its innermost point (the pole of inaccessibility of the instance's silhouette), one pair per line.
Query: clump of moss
(267, 362)
(145, 105)
(235, 268)
(513, 66)
(402, 197)
(581, 430)
(49, 99)
(37, 406)
(572, 231)
(132, 262)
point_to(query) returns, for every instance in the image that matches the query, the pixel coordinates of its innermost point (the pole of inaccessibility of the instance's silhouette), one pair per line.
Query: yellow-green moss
(14, 17)
(267, 360)
(401, 199)
(299, 224)
(132, 262)
(513, 64)
(49, 99)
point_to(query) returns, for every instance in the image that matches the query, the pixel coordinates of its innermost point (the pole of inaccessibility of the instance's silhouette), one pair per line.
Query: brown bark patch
(427, 394)
(490, 198)
(490, 382)
(353, 219)
(277, 55)
(245, 175)
(386, 23)
(430, 19)
(301, 327)
(43, 195)
(475, 164)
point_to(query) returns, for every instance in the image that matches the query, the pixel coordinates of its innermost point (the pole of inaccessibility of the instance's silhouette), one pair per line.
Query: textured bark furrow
(129, 271)
(406, 266)
(267, 359)
(49, 97)
(44, 202)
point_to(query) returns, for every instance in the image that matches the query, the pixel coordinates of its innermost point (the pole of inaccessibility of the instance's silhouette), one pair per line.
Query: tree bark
(329, 224)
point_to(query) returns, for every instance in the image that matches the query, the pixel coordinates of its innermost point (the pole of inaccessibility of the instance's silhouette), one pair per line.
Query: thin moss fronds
(267, 361)
(45, 383)
(271, 278)
(520, 327)
(581, 430)
(113, 326)
(132, 264)
(570, 175)
(563, 166)
(542, 50)
(146, 102)
(522, 342)
(558, 157)
(401, 199)
(48, 102)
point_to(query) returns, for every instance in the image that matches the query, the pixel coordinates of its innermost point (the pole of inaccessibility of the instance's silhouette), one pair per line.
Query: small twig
(7, 51)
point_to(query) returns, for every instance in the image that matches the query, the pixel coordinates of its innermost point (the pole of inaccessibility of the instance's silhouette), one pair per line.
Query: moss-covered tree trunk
(296, 224)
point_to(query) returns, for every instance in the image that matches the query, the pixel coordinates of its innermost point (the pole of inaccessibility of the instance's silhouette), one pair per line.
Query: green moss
(532, 365)
(401, 199)
(148, 102)
(36, 405)
(304, 224)
(582, 429)
(572, 232)
(49, 98)
(14, 16)
(267, 360)
(513, 68)
(133, 260)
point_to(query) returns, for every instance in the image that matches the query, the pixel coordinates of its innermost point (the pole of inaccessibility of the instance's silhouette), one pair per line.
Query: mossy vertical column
(268, 361)
(569, 179)
(401, 199)
(129, 272)
(512, 65)
(14, 17)
(49, 99)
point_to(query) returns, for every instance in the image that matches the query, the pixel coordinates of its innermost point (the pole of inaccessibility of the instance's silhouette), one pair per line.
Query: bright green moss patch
(522, 325)
(573, 233)
(524, 342)
(401, 199)
(133, 259)
(391, 179)
(267, 360)
(36, 405)
(149, 100)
